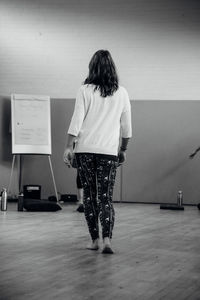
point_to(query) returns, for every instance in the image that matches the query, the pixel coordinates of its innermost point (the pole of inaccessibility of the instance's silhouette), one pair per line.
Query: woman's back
(100, 129)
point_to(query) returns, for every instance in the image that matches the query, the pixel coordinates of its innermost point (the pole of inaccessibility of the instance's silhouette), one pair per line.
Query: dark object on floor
(20, 202)
(41, 205)
(80, 208)
(32, 191)
(107, 250)
(68, 198)
(52, 198)
(198, 205)
(171, 206)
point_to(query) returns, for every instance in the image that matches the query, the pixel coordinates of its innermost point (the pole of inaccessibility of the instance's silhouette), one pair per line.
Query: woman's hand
(67, 157)
(121, 157)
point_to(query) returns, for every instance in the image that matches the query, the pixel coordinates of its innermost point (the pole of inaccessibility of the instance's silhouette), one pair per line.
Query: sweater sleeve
(78, 115)
(126, 124)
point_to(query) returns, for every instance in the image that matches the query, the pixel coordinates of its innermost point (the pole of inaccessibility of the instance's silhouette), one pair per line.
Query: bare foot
(94, 245)
(107, 246)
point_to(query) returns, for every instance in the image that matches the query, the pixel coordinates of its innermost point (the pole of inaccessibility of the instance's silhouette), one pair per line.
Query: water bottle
(4, 200)
(180, 198)
(20, 203)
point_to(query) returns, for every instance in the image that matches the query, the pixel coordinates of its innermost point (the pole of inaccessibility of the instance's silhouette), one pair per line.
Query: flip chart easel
(31, 129)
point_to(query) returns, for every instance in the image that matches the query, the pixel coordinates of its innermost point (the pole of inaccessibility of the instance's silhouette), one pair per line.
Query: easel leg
(54, 183)
(121, 183)
(11, 173)
(20, 173)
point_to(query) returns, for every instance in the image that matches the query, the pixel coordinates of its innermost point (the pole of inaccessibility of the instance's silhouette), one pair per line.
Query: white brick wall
(45, 45)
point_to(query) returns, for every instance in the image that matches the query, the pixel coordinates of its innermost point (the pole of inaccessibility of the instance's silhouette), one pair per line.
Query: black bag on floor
(41, 205)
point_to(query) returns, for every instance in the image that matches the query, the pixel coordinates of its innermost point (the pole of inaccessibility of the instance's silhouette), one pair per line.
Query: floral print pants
(97, 174)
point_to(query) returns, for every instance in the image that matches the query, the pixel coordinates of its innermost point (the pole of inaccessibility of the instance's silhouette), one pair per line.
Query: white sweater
(97, 121)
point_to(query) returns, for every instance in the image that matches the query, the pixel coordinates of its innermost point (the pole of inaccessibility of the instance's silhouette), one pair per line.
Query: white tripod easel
(31, 130)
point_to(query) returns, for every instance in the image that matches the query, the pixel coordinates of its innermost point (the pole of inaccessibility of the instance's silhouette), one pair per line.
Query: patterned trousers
(97, 173)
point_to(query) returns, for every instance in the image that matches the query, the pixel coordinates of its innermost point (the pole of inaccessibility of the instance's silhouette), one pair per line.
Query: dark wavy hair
(102, 73)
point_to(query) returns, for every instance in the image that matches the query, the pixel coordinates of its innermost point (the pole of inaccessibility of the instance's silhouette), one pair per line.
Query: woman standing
(102, 111)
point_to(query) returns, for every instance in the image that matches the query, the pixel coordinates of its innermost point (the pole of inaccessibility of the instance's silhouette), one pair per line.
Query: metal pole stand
(11, 173)
(54, 183)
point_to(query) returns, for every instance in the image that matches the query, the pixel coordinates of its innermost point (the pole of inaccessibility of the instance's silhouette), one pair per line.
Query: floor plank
(157, 255)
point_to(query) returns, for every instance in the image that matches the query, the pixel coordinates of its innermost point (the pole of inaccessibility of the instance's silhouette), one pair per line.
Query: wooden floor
(157, 255)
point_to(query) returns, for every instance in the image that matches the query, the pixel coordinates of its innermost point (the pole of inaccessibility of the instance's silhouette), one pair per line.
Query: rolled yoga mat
(171, 206)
